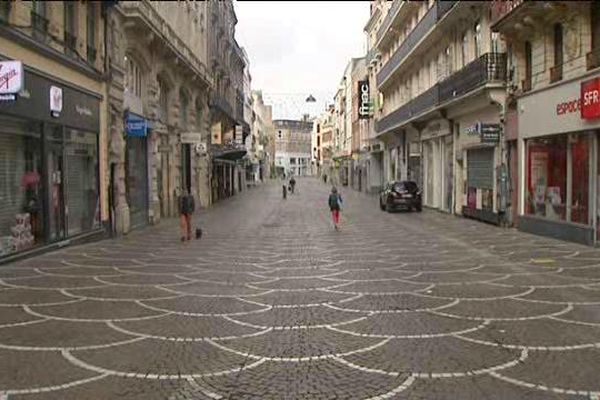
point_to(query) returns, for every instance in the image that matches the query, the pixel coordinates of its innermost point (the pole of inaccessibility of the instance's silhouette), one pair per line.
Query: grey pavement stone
(272, 303)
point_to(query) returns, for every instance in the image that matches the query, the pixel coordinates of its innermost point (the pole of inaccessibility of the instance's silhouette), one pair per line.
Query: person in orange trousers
(186, 209)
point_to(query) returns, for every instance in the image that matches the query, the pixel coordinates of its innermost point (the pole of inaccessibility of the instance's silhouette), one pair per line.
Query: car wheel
(419, 208)
(381, 206)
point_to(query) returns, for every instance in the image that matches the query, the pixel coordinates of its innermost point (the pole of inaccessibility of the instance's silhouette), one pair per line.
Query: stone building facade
(158, 109)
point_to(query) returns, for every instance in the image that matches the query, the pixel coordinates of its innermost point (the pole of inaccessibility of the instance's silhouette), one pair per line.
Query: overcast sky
(297, 48)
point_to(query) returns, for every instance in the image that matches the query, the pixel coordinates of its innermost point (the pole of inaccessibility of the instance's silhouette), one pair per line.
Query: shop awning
(230, 153)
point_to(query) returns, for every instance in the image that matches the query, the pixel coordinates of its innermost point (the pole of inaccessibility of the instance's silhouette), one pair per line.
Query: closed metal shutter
(480, 168)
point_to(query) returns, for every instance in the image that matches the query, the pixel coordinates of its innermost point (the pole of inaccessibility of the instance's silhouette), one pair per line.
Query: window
(163, 101)
(558, 44)
(183, 109)
(595, 19)
(318, 128)
(91, 32)
(199, 117)
(39, 22)
(133, 77)
(70, 36)
(464, 49)
(477, 39)
(528, 67)
(4, 10)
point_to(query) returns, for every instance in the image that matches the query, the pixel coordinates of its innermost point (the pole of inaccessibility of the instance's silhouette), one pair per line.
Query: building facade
(553, 115)
(53, 124)
(443, 84)
(228, 129)
(262, 133)
(293, 147)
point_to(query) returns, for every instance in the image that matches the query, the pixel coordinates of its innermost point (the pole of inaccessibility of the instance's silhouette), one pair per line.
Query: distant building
(293, 147)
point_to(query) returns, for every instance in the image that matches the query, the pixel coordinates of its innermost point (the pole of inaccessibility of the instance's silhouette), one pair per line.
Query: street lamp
(311, 99)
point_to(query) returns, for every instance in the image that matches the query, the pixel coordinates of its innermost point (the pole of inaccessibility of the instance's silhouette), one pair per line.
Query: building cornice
(372, 19)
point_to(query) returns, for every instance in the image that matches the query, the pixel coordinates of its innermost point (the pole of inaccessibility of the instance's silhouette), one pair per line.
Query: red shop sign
(590, 99)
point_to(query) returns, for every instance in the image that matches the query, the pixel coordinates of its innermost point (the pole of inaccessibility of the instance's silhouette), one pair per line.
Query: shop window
(21, 194)
(547, 177)
(580, 161)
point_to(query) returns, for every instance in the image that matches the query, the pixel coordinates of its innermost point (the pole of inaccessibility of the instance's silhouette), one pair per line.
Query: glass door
(55, 179)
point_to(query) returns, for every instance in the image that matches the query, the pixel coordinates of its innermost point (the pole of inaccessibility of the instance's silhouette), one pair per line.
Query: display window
(21, 194)
(555, 189)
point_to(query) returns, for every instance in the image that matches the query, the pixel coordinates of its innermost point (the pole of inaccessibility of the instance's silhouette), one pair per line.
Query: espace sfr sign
(590, 99)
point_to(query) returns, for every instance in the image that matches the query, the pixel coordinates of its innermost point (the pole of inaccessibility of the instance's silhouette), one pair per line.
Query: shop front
(49, 175)
(136, 169)
(438, 160)
(559, 130)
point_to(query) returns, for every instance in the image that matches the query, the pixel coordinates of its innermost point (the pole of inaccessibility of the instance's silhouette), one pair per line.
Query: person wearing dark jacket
(186, 209)
(335, 205)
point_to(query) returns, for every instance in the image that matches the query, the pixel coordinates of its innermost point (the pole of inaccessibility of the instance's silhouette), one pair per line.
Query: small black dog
(198, 233)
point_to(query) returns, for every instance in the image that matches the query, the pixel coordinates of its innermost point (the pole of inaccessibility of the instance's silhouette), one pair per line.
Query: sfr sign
(590, 99)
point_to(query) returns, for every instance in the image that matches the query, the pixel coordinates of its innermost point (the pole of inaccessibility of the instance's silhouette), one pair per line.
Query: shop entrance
(137, 180)
(55, 176)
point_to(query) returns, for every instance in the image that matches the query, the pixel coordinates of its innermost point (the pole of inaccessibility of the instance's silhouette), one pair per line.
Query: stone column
(117, 143)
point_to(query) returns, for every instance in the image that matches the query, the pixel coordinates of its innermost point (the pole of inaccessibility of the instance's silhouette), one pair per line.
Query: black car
(400, 195)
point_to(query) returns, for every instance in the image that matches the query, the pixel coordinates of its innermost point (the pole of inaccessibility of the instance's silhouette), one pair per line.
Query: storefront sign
(590, 99)
(56, 101)
(136, 125)
(76, 108)
(191, 137)
(365, 108)
(11, 77)
(490, 133)
(569, 107)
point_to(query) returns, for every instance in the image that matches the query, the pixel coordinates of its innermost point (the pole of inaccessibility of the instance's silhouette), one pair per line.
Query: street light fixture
(311, 99)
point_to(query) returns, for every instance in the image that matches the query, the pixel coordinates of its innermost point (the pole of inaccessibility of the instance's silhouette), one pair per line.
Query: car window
(400, 187)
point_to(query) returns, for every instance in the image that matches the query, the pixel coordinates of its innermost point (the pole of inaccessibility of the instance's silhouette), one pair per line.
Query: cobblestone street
(273, 303)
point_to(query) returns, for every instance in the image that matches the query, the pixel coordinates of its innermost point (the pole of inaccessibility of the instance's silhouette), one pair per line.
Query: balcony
(387, 22)
(70, 43)
(593, 59)
(39, 24)
(220, 103)
(501, 9)
(424, 26)
(423, 102)
(490, 67)
(556, 73)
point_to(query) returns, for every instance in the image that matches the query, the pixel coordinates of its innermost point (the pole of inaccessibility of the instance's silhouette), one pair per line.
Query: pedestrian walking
(292, 184)
(186, 209)
(284, 192)
(335, 205)
(324, 178)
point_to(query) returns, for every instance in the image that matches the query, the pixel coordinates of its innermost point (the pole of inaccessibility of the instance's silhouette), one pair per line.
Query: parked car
(400, 195)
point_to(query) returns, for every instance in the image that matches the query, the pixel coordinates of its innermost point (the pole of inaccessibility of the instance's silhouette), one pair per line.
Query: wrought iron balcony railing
(219, 102)
(490, 67)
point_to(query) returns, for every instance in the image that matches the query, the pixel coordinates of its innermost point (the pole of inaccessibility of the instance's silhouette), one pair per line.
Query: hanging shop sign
(136, 125)
(365, 107)
(488, 133)
(56, 101)
(11, 79)
(590, 99)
